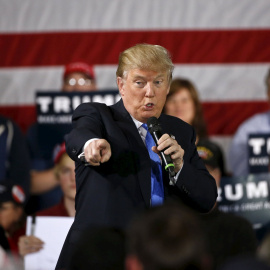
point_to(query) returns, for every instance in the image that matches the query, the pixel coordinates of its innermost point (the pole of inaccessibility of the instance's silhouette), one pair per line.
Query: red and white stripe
(222, 46)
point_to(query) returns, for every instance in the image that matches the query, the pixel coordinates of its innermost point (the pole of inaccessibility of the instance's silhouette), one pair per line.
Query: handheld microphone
(156, 131)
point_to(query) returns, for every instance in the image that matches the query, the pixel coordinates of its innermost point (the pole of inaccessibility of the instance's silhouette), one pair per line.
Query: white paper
(52, 231)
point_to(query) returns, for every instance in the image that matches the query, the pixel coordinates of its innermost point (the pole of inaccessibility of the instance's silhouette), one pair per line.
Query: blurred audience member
(12, 216)
(228, 235)
(14, 155)
(183, 102)
(78, 76)
(263, 251)
(166, 237)
(99, 249)
(238, 152)
(213, 157)
(64, 171)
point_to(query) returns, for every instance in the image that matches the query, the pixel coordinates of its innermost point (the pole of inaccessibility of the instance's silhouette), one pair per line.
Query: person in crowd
(166, 237)
(183, 102)
(257, 124)
(118, 170)
(14, 157)
(64, 171)
(79, 76)
(213, 158)
(45, 189)
(12, 217)
(227, 235)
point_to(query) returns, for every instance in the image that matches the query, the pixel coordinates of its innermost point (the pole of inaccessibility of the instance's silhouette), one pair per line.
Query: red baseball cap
(59, 150)
(79, 67)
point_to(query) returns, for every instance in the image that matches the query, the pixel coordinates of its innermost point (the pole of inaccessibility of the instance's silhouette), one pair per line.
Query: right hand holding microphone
(172, 149)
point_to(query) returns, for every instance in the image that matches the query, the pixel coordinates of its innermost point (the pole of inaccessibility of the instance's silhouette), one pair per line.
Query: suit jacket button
(74, 151)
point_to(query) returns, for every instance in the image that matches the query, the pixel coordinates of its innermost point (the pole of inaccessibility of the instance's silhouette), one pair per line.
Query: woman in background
(183, 102)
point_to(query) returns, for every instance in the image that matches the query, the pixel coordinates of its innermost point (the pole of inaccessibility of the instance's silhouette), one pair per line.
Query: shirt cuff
(81, 155)
(173, 180)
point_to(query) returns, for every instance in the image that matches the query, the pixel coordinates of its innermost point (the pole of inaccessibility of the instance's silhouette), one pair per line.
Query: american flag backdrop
(223, 46)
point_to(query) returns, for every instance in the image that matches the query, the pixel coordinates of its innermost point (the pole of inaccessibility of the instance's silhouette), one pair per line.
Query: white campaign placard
(52, 231)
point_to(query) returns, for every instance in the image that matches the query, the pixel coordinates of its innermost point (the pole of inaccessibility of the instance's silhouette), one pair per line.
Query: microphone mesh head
(153, 124)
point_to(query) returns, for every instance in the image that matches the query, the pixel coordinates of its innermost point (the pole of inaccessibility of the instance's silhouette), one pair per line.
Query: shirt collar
(136, 122)
(142, 131)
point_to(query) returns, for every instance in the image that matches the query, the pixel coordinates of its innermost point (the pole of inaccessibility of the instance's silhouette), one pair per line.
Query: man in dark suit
(116, 183)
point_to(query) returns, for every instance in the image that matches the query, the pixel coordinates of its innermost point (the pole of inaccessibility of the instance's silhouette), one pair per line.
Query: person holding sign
(64, 171)
(118, 169)
(257, 124)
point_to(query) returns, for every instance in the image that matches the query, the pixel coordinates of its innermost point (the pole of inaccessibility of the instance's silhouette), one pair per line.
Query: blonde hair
(57, 167)
(145, 56)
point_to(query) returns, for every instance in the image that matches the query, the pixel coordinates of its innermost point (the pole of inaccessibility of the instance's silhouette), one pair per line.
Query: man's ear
(133, 263)
(120, 84)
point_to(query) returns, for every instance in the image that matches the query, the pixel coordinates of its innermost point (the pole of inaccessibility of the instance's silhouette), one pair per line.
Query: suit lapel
(129, 129)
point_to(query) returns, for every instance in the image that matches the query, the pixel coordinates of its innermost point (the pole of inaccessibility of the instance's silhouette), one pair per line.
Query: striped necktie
(157, 191)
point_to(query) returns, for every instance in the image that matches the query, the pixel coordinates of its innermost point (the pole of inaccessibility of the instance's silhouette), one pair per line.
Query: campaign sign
(247, 197)
(259, 150)
(54, 115)
(58, 107)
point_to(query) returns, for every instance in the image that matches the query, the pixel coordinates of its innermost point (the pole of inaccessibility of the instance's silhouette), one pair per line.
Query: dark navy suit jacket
(110, 194)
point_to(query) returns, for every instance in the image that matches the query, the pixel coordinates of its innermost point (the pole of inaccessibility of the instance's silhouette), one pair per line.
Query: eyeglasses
(81, 82)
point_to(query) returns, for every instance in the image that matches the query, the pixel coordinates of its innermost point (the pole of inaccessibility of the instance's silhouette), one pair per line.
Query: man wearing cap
(121, 172)
(77, 77)
(213, 158)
